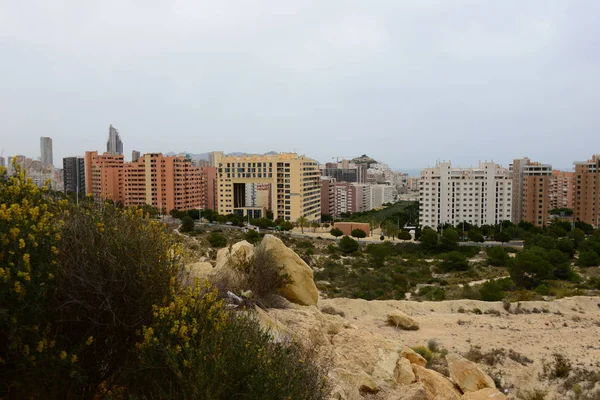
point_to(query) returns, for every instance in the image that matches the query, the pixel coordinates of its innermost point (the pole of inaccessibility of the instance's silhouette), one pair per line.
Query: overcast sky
(407, 82)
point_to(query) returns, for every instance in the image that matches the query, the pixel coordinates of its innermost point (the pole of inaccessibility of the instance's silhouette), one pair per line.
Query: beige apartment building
(287, 183)
(586, 191)
(163, 182)
(531, 191)
(561, 190)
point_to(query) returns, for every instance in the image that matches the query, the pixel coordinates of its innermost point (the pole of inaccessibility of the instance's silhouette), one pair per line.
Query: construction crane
(337, 159)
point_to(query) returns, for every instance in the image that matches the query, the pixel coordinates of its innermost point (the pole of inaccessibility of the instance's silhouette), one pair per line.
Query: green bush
(588, 258)
(217, 240)
(497, 256)
(252, 236)
(336, 232)
(404, 235)
(195, 349)
(424, 352)
(454, 261)
(187, 224)
(529, 268)
(491, 291)
(348, 245)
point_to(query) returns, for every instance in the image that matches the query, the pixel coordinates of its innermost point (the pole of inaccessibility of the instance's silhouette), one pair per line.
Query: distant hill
(364, 159)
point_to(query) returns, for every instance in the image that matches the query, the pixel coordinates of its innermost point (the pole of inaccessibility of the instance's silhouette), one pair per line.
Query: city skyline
(402, 82)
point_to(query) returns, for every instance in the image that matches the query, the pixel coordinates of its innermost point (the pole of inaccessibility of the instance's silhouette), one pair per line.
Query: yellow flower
(73, 358)
(21, 243)
(40, 346)
(89, 341)
(63, 355)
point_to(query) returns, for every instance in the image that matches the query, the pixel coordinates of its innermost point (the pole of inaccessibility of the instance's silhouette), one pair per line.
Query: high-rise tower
(46, 151)
(114, 145)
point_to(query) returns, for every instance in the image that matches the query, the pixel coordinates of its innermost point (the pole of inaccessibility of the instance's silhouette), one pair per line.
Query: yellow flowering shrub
(195, 348)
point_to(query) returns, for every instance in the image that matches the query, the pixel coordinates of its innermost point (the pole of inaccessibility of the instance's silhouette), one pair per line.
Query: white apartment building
(479, 196)
(381, 194)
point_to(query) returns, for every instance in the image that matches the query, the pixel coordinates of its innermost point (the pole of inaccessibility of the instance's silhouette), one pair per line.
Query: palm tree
(315, 225)
(302, 222)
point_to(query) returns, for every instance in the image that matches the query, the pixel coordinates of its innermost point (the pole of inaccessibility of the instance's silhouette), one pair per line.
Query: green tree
(567, 246)
(529, 268)
(577, 235)
(497, 256)
(287, 226)
(588, 258)
(358, 233)
(336, 232)
(454, 261)
(315, 225)
(252, 236)
(429, 239)
(449, 240)
(187, 224)
(302, 222)
(543, 241)
(404, 235)
(348, 245)
(501, 237)
(475, 236)
(491, 291)
(217, 240)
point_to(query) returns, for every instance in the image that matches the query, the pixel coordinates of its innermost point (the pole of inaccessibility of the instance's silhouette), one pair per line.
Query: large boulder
(467, 375)
(415, 391)
(239, 252)
(357, 380)
(438, 387)
(302, 290)
(403, 372)
(413, 356)
(198, 271)
(403, 321)
(485, 394)
(278, 331)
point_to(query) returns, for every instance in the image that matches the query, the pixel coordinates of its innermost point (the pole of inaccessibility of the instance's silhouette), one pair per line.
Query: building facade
(46, 151)
(381, 194)
(104, 176)
(135, 155)
(74, 175)
(586, 191)
(532, 183)
(114, 145)
(479, 196)
(293, 185)
(561, 190)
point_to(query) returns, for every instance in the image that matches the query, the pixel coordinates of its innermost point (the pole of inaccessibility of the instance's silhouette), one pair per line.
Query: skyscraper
(114, 145)
(135, 155)
(586, 193)
(531, 191)
(46, 151)
(74, 175)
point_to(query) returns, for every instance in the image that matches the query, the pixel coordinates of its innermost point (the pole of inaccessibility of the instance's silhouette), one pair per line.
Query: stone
(241, 251)
(403, 372)
(438, 387)
(467, 375)
(416, 391)
(198, 271)
(359, 380)
(485, 394)
(413, 357)
(403, 321)
(302, 290)
(278, 331)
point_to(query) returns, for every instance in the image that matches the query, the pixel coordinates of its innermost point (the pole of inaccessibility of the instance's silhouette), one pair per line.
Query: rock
(302, 290)
(278, 331)
(413, 357)
(467, 375)
(403, 373)
(403, 321)
(485, 394)
(200, 271)
(415, 391)
(241, 251)
(359, 380)
(438, 387)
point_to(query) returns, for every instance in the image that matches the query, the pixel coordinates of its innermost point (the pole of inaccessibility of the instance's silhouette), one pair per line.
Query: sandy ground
(569, 326)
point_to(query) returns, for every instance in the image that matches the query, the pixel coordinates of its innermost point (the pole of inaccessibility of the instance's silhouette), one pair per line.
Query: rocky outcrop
(438, 387)
(467, 375)
(413, 357)
(403, 372)
(302, 290)
(357, 380)
(228, 256)
(197, 272)
(403, 321)
(485, 394)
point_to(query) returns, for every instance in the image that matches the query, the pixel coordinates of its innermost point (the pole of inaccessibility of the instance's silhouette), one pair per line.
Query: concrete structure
(135, 155)
(104, 176)
(114, 145)
(74, 175)
(345, 171)
(2, 162)
(531, 191)
(586, 191)
(343, 197)
(381, 194)
(348, 227)
(213, 158)
(211, 193)
(46, 151)
(166, 183)
(293, 180)
(478, 196)
(561, 189)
